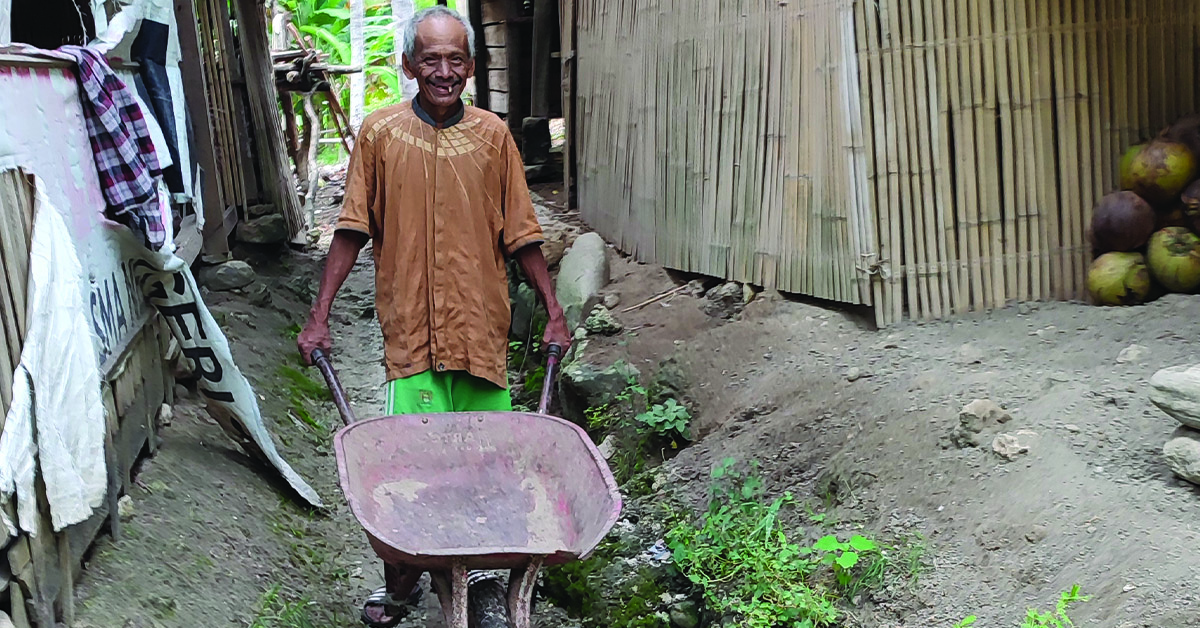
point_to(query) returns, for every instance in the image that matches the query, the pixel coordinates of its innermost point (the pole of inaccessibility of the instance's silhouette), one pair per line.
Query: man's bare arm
(533, 264)
(343, 252)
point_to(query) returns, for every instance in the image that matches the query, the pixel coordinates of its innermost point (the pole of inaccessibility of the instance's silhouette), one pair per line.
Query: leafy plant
(1058, 618)
(967, 621)
(274, 612)
(669, 420)
(745, 564)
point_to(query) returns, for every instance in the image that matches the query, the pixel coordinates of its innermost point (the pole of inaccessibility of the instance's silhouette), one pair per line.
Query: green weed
(669, 420)
(274, 612)
(743, 561)
(967, 621)
(1058, 618)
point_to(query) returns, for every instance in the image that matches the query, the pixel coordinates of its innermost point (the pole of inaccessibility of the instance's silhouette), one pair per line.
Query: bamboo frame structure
(927, 158)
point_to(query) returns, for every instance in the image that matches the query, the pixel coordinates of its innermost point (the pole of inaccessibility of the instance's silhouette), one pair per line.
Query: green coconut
(1119, 279)
(1127, 165)
(1160, 171)
(1174, 259)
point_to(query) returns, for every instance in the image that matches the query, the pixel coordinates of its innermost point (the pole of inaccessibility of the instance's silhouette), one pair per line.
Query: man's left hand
(557, 333)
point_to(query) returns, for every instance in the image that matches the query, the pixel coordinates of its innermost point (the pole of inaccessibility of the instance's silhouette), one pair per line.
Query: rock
(258, 295)
(595, 385)
(748, 293)
(973, 419)
(581, 275)
(969, 354)
(724, 301)
(302, 287)
(608, 446)
(854, 374)
(227, 276)
(1012, 446)
(271, 229)
(981, 414)
(1183, 457)
(685, 614)
(259, 211)
(695, 288)
(166, 414)
(602, 323)
(1037, 534)
(611, 301)
(125, 508)
(1133, 354)
(557, 237)
(1176, 391)
(524, 309)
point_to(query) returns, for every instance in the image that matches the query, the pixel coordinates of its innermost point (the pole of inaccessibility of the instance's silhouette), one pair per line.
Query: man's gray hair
(410, 29)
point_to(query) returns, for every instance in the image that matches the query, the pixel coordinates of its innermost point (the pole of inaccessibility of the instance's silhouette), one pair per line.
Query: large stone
(581, 276)
(1183, 457)
(602, 323)
(594, 385)
(271, 229)
(1176, 391)
(1013, 445)
(524, 310)
(258, 211)
(227, 276)
(557, 237)
(982, 414)
(685, 614)
(725, 301)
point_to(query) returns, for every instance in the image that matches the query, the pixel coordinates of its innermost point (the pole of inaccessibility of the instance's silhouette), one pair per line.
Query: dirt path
(834, 411)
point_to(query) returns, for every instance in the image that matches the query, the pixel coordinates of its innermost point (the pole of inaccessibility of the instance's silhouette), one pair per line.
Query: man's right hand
(315, 335)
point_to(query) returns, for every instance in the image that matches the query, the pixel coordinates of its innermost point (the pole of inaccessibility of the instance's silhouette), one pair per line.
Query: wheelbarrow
(450, 493)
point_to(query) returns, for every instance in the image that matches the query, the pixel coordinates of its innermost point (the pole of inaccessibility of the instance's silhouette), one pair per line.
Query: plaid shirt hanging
(124, 153)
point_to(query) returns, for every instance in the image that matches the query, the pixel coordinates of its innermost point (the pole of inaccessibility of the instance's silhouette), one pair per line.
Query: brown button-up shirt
(443, 207)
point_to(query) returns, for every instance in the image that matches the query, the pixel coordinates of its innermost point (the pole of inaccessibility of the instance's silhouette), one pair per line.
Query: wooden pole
(280, 186)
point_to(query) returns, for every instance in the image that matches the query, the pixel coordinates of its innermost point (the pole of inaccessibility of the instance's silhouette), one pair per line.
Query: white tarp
(169, 286)
(57, 414)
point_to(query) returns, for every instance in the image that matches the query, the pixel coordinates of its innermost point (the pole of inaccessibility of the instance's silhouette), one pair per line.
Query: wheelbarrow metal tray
(492, 488)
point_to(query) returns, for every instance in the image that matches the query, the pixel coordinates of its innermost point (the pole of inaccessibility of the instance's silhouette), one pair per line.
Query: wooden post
(280, 187)
(358, 80)
(482, 58)
(566, 23)
(195, 91)
(402, 12)
(544, 12)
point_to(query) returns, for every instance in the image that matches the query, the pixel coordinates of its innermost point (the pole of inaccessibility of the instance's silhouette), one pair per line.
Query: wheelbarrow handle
(335, 386)
(555, 354)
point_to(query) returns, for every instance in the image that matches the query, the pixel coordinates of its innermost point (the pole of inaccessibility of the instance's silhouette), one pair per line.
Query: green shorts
(452, 391)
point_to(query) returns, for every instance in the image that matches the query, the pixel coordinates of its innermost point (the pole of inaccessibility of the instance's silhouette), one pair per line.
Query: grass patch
(747, 565)
(300, 390)
(275, 612)
(1058, 617)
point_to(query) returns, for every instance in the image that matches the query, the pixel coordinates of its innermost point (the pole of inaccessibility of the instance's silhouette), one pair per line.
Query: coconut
(1176, 216)
(1160, 171)
(1119, 279)
(1122, 222)
(1186, 131)
(1127, 165)
(1174, 259)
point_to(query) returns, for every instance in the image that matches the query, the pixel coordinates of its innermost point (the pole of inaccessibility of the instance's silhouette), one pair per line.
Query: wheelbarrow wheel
(487, 603)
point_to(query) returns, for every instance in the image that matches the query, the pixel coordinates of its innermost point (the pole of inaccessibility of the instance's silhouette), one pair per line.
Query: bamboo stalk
(1015, 277)
(922, 160)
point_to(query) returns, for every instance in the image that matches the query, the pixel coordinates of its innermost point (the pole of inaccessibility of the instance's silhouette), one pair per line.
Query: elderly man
(439, 189)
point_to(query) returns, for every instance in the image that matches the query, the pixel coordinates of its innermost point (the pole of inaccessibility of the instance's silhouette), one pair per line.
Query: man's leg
(425, 393)
(472, 394)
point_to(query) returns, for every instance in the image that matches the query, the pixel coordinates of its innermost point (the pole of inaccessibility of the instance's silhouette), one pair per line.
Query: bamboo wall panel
(726, 137)
(926, 157)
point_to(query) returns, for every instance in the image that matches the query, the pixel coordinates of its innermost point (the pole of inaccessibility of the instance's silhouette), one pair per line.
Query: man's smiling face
(441, 62)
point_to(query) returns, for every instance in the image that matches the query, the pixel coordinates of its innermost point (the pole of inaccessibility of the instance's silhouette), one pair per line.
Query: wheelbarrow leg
(452, 593)
(520, 593)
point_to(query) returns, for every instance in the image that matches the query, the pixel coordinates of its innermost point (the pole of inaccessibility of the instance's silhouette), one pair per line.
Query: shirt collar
(427, 119)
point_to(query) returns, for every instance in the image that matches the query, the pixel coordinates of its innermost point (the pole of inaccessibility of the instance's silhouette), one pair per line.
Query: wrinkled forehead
(443, 35)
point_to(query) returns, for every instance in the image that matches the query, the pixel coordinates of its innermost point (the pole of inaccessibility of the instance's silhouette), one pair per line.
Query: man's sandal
(392, 611)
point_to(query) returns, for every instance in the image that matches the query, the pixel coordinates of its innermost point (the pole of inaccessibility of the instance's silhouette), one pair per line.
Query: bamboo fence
(925, 157)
